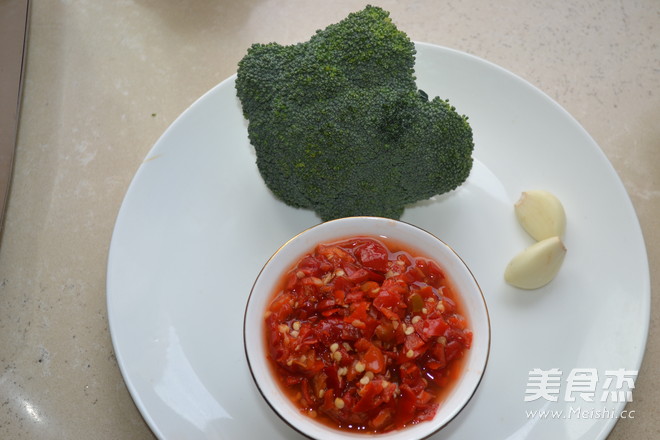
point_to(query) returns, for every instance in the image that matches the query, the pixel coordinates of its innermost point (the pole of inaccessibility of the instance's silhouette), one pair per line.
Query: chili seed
(334, 347)
(294, 334)
(365, 380)
(359, 367)
(410, 354)
(409, 330)
(339, 403)
(296, 325)
(328, 277)
(440, 307)
(358, 324)
(416, 319)
(300, 274)
(336, 355)
(390, 274)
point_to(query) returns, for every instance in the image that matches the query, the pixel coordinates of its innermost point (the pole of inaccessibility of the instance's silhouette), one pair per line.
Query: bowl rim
(385, 436)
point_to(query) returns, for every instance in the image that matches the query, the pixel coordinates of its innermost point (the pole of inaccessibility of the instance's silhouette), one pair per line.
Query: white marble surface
(105, 78)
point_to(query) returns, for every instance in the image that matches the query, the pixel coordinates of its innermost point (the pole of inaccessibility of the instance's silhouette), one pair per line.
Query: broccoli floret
(339, 126)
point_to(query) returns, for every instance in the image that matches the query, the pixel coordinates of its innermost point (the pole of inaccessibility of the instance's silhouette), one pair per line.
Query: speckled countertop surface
(105, 79)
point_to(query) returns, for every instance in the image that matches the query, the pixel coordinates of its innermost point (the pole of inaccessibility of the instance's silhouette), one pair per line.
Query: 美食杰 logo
(581, 385)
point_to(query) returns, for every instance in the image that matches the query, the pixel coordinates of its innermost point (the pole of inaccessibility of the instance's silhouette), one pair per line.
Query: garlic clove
(537, 265)
(541, 214)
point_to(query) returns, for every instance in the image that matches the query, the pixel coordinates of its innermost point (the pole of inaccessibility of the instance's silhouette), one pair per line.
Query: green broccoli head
(339, 126)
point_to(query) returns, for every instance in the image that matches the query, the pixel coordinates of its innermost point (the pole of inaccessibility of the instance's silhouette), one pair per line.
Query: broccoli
(339, 126)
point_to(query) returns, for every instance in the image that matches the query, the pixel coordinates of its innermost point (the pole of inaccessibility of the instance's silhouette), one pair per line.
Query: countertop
(104, 79)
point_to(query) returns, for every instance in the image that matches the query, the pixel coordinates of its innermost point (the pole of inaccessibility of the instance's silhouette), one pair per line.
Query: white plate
(198, 223)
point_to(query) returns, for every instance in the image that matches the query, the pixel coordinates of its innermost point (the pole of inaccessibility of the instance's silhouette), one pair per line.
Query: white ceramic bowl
(428, 246)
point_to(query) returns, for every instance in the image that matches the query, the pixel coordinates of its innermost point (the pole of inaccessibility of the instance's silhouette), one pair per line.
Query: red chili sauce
(366, 338)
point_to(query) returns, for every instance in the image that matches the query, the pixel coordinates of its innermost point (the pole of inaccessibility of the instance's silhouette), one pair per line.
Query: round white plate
(198, 223)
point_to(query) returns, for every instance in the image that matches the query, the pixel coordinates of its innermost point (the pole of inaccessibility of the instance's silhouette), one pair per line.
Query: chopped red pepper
(374, 359)
(372, 255)
(364, 336)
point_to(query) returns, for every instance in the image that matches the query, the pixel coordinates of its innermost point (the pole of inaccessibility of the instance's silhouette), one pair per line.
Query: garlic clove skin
(541, 214)
(537, 265)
